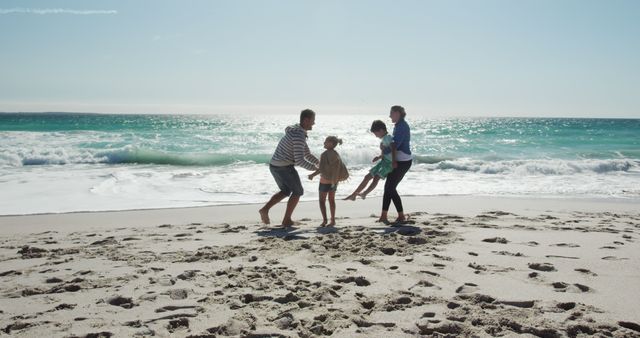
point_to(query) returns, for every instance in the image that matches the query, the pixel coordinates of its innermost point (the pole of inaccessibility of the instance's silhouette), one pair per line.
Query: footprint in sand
(428, 315)
(54, 280)
(614, 258)
(180, 323)
(630, 326)
(586, 271)
(558, 256)
(368, 304)
(566, 306)
(388, 251)
(178, 307)
(566, 245)
(500, 240)
(435, 274)
(490, 268)
(565, 287)
(124, 302)
(163, 280)
(546, 267)
(177, 294)
(426, 284)
(525, 304)
(285, 321)
(188, 274)
(477, 267)
(10, 273)
(507, 253)
(28, 252)
(359, 281)
(250, 298)
(63, 306)
(467, 288)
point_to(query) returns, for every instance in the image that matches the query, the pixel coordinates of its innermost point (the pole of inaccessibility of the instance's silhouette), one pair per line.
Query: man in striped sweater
(291, 151)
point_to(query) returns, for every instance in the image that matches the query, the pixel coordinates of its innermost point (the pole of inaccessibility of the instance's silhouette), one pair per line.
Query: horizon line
(436, 116)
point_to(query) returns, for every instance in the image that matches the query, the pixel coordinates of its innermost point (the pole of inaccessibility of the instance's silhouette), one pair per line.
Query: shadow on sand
(404, 230)
(293, 233)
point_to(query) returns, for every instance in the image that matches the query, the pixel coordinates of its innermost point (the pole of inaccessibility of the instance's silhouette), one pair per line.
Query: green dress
(384, 167)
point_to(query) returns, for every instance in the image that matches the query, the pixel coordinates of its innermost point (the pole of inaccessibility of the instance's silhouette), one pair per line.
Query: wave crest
(127, 155)
(538, 167)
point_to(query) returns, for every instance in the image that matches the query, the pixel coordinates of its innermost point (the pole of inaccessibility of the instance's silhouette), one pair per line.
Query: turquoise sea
(59, 162)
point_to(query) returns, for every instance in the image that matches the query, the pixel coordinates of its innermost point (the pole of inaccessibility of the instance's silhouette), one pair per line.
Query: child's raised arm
(314, 174)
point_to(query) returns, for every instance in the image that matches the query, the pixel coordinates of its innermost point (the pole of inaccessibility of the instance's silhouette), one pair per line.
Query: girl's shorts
(326, 187)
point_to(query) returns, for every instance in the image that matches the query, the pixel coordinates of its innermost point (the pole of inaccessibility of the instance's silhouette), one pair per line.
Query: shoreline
(467, 205)
(514, 197)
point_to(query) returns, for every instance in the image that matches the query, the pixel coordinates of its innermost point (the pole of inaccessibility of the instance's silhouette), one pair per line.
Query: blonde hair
(335, 140)
(399, 109)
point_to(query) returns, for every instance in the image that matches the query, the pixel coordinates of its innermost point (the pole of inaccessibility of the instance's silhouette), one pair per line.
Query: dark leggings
(393, 179)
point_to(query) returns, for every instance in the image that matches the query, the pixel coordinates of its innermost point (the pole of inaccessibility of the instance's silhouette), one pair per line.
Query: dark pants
(392, 181)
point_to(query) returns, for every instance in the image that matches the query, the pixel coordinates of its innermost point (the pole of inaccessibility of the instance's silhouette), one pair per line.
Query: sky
(540, 58)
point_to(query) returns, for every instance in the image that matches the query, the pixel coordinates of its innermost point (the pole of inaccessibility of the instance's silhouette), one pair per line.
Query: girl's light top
(332, 168)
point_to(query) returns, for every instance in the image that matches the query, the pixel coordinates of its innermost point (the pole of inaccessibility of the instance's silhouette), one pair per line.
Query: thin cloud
(44, 11)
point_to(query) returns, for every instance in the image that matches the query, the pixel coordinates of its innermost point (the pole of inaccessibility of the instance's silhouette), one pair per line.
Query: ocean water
(62, 162)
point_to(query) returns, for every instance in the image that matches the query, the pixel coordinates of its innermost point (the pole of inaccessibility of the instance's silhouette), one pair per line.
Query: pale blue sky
(437, 58)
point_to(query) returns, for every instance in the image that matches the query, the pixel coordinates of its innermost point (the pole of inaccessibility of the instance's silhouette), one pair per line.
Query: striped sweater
(293, 150)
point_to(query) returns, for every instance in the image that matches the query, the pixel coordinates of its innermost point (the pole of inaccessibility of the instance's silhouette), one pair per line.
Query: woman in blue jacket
(401, 163)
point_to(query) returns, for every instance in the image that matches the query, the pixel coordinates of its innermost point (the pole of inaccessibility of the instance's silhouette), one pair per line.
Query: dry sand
(463, 266)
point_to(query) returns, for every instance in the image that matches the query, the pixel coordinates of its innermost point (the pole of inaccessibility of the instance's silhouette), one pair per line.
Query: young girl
(384, 167)
(332, 170)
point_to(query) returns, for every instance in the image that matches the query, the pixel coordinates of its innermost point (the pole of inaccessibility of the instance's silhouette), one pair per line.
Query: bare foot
(264, 216)
(401, 220)
(287, 223)
(383, 220)
(331, 224)
(351, 197)
(363, 196)
(323, 223)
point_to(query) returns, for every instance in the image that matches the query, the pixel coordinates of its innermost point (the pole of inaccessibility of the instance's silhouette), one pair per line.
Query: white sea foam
(74, 170)
(55, 188)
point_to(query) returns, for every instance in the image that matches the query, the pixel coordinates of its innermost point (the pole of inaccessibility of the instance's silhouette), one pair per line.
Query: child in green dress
(382, 168)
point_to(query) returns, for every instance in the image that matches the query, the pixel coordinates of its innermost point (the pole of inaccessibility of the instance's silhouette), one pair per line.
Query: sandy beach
(143, 143)
(463, 266)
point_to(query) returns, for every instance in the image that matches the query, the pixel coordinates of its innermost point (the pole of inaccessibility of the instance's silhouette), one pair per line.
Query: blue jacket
(402, 136)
